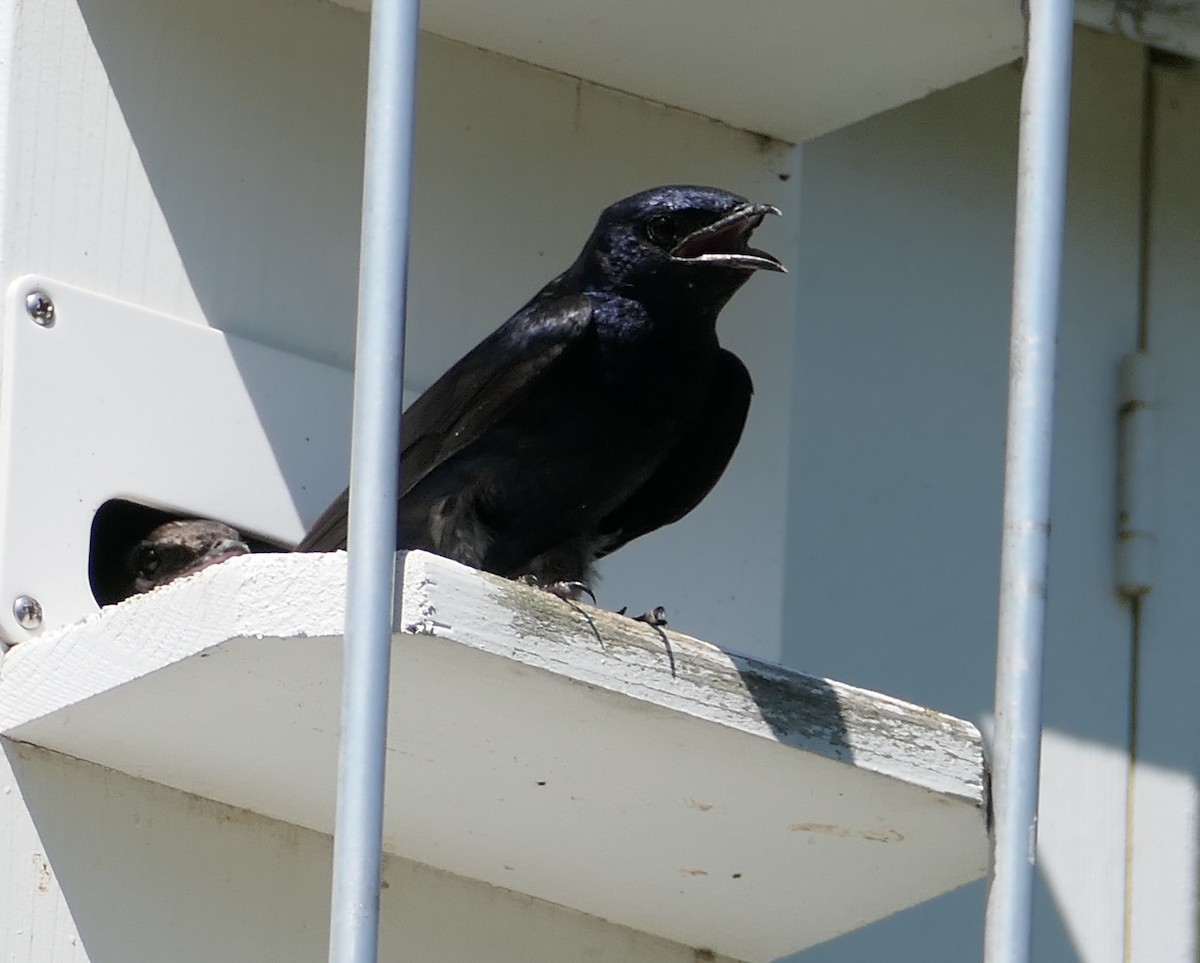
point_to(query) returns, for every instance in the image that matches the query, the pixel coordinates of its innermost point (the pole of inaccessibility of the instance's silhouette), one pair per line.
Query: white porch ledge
(567, 753)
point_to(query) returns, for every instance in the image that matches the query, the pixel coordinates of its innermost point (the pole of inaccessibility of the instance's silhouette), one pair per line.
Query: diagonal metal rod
(378, 390)
(1037, 286)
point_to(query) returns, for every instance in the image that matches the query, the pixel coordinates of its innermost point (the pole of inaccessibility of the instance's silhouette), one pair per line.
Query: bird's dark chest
(648, 376)
(602, 420)
(585, 435)
(619, 404)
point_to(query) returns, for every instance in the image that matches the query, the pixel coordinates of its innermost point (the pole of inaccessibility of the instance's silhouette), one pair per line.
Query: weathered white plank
(677, 672)
(567, 753)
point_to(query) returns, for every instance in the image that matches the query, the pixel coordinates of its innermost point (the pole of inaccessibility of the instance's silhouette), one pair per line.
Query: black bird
(179, 548)
(603, 409)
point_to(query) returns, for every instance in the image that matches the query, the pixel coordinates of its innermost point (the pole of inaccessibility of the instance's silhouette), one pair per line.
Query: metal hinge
(1136, 454)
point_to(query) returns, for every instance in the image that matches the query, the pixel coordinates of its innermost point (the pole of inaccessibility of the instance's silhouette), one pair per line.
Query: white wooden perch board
(563, 752)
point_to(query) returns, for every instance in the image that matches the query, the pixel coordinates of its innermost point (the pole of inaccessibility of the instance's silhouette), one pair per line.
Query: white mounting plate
(564, 752)
(114, 401)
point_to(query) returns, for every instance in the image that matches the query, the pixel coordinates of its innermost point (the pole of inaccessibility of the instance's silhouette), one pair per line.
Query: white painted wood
(113, 401)
(1163, 889)
(790, 70)
(567, 753)
(898, 435)
(1165, 895)
(35, 921)
(105, 868)
(1082, 845)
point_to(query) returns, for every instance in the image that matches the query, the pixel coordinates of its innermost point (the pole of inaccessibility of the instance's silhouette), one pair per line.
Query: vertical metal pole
(378, 390)
(1037, 282)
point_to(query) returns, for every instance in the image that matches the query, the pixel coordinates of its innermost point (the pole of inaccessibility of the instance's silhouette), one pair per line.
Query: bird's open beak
(219, 551)
(225, 548)
(727, 242)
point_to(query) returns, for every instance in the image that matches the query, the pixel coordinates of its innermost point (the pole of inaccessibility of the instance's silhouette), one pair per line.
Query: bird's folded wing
(476, 393)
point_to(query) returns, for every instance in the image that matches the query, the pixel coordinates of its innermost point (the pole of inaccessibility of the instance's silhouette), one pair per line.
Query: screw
(39, 307)
(28, 611)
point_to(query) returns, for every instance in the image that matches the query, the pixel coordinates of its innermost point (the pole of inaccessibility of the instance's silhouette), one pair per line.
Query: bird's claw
(656, 617)
(568, 591)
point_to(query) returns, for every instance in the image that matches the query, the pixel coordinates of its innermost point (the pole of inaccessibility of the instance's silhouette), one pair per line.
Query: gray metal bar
(378, 390)
(1037, 284)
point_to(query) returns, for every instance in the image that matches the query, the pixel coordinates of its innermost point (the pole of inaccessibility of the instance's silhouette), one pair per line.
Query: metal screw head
(28, 611)
(39, 307)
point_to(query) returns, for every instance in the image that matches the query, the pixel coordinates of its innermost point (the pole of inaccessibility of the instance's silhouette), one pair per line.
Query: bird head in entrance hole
(179, 548)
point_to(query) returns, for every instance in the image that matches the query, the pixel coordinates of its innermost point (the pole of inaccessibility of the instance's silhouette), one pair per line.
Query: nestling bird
(179, 548)
(603, 409)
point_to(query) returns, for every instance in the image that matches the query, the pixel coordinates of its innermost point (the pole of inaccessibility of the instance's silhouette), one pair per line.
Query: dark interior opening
(117, 528)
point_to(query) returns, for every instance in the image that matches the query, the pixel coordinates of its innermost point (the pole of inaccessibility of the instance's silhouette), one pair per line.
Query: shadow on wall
(256, 167)
(918, 927)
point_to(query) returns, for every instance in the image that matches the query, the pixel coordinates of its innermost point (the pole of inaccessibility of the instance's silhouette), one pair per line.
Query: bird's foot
(656, 617)
(568, 591)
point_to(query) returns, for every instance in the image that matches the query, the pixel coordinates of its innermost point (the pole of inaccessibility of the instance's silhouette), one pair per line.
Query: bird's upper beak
(221, 550)
(726, 242)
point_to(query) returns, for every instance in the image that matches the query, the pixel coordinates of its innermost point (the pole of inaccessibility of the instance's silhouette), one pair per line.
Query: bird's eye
(661, 231)
(146, 561)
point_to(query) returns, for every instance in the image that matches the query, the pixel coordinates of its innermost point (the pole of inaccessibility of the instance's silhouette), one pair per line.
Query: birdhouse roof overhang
(789, 70)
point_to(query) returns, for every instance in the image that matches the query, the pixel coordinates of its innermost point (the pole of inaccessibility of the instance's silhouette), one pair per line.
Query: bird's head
(180, 548)
(678, 242)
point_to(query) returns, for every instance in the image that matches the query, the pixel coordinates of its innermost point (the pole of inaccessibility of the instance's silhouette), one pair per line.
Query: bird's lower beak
(727, 242)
